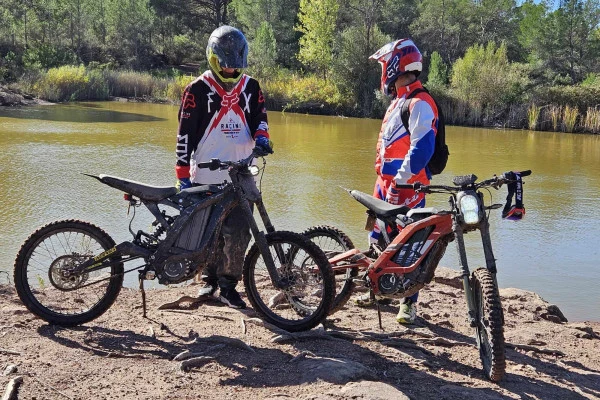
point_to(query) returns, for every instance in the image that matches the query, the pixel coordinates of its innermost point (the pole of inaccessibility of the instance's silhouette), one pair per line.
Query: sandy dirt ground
(122, 355)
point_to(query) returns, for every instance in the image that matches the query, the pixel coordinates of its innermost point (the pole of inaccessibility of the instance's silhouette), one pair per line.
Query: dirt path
(124, 356)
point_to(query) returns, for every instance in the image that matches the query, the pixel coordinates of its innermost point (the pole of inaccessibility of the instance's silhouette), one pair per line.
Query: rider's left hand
(265, 144)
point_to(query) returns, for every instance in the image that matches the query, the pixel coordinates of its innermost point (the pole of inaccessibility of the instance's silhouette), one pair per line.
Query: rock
(585, 331)
(372, 391)
(334, 370)
(10, 369)
(449, 277)
(553, 314)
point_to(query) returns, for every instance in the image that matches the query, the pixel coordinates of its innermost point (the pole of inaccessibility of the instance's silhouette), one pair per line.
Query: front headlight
(469, 207)
(254, 170)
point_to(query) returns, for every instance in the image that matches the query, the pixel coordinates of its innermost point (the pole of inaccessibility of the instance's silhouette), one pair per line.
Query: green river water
(554, 251)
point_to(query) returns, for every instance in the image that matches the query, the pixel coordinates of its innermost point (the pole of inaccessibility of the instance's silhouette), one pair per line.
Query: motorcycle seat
(137, 189)
(380, 207)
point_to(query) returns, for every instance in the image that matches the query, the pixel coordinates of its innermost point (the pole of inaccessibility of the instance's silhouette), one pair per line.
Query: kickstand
(143, 297)
(378, 309)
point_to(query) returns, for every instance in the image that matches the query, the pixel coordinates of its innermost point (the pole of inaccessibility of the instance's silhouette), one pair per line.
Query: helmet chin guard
(227, 48)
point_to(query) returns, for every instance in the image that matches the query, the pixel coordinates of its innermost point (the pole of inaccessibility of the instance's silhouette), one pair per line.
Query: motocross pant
(227, 264)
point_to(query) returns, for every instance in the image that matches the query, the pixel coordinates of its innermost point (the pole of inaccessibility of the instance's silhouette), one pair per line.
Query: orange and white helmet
(397, 58)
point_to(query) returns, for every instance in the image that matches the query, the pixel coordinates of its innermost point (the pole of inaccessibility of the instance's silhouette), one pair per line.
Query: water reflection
(552, 251)
(81, 113)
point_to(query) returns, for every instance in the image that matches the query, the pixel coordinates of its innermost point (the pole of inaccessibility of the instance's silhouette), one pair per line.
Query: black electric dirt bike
(412, 244)
(69, 272)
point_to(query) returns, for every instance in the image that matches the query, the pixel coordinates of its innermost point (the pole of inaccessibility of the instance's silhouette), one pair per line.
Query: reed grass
(175, 89)
(592, 120)
(555, 116)
(570, 116)
(533, 115)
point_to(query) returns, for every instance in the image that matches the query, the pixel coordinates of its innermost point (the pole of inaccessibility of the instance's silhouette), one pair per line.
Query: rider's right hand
(183, 183)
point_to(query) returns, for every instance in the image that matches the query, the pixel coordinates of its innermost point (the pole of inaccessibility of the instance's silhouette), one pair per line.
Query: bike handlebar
(495, 182)
(215, 163)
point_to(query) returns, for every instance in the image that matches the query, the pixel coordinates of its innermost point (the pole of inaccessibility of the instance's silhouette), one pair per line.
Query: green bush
(65, 83)
(175, 88)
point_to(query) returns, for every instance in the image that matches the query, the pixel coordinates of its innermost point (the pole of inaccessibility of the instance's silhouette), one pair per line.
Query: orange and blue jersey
(402, 155)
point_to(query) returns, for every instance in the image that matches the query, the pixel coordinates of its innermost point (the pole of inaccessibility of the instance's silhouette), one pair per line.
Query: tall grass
(533, 114)
(555, 116)
(175, 89)
(135, 84)
(570, 118)
(592, 120)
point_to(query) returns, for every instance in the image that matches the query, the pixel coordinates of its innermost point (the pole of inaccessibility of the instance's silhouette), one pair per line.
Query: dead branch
(440, 341)
(226, 341)
(271, 327)
(535, 349)
(301, 356)
(195, 314)
(184, 355)
(9, 352)
(184, 299)
(194, 362)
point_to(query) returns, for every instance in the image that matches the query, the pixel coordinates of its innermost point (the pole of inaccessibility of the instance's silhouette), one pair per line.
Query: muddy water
(554, 251)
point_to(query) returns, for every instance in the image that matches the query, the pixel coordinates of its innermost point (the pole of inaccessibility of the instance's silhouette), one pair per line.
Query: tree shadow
(76, 114)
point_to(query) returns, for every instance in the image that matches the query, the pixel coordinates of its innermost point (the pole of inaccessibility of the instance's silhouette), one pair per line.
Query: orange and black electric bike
(412, 245)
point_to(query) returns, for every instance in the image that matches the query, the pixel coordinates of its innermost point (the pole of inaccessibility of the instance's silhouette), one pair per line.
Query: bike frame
(441, 225)
(242, 192)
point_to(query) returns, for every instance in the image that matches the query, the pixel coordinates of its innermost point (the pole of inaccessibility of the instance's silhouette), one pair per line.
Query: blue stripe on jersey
(391, 167)
(421, 153)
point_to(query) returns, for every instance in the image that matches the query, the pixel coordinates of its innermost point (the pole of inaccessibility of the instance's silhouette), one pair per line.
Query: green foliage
(262, 57)
(486, 81)
(354, 75)
(294, 92)
(63, 83)
(317, 20)
(438, 71)
(175, 89)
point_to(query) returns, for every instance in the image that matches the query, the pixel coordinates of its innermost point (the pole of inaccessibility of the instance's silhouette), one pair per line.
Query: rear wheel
(333, 242)
(300, 263)
(45, 280)
(489, 324)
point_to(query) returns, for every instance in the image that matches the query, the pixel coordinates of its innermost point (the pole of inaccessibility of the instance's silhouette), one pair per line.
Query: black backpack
(438, 160)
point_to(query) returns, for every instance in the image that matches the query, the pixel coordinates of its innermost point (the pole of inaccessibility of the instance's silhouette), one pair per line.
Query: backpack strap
(405, 112)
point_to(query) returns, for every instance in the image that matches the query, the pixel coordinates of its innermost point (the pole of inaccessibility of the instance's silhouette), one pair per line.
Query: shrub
(176, 87)
(62, 84)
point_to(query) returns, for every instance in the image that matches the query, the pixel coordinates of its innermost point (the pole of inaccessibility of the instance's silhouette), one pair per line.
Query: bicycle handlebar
(215, 163)
(495, 181)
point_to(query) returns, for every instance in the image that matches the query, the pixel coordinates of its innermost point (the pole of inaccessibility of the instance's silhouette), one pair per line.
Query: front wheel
(46, 278)
(304, 267)
(333, 242)
(489, 324)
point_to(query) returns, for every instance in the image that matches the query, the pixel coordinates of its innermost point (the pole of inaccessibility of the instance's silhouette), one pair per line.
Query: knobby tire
(44, 252)
(489, 324)
(304, 263)
(322, 236)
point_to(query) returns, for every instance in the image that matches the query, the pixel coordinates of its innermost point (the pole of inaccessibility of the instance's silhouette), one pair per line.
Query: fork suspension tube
(262, 244)
(490, 260)
(262, 211)
(464, 268)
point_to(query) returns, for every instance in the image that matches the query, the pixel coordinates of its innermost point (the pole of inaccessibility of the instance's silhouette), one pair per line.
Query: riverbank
(13, 97)
(122, 355)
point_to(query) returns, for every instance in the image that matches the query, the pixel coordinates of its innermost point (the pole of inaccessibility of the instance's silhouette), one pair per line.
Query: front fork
(261, 240)
(490, 263)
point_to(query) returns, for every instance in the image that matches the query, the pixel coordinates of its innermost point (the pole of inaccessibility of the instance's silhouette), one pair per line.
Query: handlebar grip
(525, 173)
(213, 164)
(404, 186)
